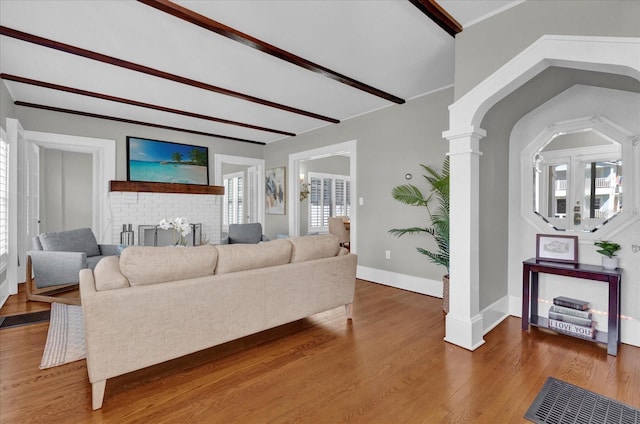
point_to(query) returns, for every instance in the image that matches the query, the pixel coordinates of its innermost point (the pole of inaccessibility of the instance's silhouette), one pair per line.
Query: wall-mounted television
(166, 162)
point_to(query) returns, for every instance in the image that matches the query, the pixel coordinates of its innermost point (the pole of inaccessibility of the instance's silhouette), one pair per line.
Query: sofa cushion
(306, 248)
(108, 276)
(149, 265)
(241, 257)
(80, 240)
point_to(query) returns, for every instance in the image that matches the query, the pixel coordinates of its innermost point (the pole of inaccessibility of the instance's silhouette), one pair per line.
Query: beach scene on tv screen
(160, 161)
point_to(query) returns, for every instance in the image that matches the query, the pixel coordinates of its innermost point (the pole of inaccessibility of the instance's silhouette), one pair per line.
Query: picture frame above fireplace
(166, 162)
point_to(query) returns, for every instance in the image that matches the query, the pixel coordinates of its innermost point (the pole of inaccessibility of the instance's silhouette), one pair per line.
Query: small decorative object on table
(608, 250)
(180, 228)
(572, 316)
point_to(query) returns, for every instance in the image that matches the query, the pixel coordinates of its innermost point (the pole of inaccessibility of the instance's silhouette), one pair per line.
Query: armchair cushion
(246, 233)
(80, 240)
(51, 268)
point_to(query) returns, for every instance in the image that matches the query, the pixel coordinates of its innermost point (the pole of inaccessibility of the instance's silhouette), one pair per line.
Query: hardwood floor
(389, 365)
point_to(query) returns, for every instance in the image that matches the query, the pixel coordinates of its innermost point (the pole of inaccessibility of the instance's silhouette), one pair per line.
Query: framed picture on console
(557, 248)
(166, 162)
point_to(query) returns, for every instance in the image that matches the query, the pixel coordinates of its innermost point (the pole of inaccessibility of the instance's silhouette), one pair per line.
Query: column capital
(464, 141)
(464, 133)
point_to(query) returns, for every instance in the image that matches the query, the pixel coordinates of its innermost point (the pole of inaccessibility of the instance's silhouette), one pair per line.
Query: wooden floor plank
(389, 365)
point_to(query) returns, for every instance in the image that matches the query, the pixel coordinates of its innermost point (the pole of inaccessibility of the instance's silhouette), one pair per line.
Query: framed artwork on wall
(166, 162)
(557, 248)
(275, 191)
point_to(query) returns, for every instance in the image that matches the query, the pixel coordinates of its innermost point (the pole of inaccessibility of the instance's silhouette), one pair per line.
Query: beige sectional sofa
(153, 304)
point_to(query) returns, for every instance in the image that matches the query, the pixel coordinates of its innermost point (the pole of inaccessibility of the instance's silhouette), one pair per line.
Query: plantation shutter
(4, 203)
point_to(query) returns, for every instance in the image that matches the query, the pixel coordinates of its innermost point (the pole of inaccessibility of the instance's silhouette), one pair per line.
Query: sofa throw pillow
(306, 248)
(107, 274)
(80, 240)
(149, 265)
(241, 257)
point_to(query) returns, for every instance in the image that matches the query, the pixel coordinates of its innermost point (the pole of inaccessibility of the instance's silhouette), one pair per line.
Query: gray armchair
(56, 259)
(244, 233)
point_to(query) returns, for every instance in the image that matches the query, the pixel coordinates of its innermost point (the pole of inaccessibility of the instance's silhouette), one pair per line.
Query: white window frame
(237, 201)
(4, 201)
(332, 212)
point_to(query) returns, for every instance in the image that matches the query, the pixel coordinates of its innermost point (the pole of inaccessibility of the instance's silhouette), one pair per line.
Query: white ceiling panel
(389, 45)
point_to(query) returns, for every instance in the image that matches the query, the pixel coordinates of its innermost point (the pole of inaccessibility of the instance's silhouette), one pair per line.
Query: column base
(464, 332)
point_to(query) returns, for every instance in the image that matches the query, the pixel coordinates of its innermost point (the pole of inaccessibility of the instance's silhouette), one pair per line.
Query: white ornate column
(464, 325)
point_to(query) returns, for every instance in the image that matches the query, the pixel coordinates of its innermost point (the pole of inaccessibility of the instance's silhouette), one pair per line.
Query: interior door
(33, 192)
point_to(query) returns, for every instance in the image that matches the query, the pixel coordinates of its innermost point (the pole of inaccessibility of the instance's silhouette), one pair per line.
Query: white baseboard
(4, 292)
(494, 314)
(401, 281)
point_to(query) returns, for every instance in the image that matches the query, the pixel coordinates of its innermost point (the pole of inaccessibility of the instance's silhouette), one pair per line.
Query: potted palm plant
(438, 217)
(608, 250)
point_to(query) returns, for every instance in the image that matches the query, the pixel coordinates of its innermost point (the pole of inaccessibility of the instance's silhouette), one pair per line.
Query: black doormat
(563, 403)
(24, 319)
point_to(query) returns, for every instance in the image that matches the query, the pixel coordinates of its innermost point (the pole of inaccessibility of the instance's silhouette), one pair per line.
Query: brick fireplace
(148, 208)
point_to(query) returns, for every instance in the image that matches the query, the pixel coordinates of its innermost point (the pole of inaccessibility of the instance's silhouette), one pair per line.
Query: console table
(613, 277)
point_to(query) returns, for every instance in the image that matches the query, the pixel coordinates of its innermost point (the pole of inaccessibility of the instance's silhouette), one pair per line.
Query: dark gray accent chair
(56, 259)
(244, 233)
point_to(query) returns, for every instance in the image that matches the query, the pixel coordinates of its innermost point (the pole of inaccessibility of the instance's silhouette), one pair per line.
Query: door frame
(103, 152)
(219, 159)
(293, 207)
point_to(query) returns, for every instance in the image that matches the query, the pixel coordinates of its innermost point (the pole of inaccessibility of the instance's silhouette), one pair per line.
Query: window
(233, 199)
(4, 202)
(329, 195)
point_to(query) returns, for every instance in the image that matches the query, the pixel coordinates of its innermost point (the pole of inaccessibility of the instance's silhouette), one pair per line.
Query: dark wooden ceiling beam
(131, 121)
(107, 97)
(78, 51)
(437, 14)
(226, 31)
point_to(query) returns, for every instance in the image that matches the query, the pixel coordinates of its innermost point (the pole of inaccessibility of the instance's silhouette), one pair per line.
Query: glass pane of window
(602, 189)
(557, 202)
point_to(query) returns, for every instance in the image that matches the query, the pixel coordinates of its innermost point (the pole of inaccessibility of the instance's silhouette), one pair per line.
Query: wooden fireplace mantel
(149, 187)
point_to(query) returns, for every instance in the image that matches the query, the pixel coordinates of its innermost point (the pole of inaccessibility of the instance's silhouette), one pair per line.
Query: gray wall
(337, 165)
(390, 143)
(65, 190)
(62, 123)
(484, 47)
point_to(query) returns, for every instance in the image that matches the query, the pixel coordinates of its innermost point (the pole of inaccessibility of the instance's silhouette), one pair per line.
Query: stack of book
(572, 316)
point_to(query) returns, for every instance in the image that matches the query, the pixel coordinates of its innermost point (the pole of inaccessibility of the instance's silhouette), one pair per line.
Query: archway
(464, 324)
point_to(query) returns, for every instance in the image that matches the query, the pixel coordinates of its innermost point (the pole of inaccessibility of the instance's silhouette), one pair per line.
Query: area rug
(563, 403)
(65, 339)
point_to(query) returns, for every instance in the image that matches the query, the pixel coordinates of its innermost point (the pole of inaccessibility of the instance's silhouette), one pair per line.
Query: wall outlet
(387, 254)
(361, 201)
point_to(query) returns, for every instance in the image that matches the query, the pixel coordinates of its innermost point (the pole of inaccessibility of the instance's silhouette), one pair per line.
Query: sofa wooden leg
(348, 308)
(97, 394)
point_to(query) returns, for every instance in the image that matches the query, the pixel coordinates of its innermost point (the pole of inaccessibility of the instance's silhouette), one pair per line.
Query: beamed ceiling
(246, 71)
